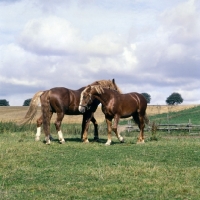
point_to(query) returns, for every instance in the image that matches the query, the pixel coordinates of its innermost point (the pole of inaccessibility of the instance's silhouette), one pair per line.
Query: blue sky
(146, 45)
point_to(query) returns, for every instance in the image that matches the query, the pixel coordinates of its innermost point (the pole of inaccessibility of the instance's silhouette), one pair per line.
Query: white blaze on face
(81, 99)
(81, 108)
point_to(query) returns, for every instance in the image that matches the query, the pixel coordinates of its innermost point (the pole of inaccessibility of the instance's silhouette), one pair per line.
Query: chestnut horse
(116, 105)
(63, 101)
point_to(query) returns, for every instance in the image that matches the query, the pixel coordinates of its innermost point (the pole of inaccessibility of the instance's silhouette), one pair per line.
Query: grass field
(166, 169)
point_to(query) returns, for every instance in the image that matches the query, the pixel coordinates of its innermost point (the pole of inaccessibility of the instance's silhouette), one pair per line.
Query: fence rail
(168, 127)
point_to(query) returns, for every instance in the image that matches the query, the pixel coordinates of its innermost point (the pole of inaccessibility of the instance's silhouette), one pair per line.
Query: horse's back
(132, 102)
(64, 100)
(142, 103)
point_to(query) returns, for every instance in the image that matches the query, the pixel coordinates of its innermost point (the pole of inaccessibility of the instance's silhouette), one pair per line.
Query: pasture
(164, 169)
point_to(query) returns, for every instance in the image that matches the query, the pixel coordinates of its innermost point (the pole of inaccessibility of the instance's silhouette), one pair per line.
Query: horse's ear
(89, 87)
(113, 81)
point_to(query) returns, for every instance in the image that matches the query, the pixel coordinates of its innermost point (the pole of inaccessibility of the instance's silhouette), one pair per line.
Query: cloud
(56, 36)
(49, 36)
(147, 46)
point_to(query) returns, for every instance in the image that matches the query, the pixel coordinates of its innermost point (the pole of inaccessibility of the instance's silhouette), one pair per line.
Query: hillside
(190, 115)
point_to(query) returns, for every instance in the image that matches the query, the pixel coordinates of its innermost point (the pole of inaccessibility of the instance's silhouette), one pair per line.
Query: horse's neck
(104, 98)
(81, 89)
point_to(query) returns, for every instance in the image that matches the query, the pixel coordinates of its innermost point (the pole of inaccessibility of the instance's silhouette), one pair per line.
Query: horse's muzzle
(81, 108)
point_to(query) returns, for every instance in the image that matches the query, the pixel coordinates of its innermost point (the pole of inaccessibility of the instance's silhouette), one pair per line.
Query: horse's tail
(32, 111)
(45, 105)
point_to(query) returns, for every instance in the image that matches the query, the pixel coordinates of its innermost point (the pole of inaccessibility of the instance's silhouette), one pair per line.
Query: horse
(63, 101)
(115, 106)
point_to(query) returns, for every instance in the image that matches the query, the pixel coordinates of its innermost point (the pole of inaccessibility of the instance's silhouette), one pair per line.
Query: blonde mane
(107, 84)
(98, 88)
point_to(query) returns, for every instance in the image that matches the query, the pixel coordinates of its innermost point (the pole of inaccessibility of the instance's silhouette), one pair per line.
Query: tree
(4, 102)
(174, 99)
(147, 97)
(27, 102)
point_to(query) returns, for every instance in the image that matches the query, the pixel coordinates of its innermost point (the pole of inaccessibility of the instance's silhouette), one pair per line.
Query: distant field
(15, 113)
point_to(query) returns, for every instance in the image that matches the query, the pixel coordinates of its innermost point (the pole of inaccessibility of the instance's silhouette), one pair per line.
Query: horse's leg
(39, 124)
(85, 126)
(58, 125)
(109, 129)
(96, 134)
(50, 116)
(114, 128)
(141, 126)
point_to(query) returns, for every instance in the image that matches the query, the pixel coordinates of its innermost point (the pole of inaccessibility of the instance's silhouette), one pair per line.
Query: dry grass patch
(16, 113)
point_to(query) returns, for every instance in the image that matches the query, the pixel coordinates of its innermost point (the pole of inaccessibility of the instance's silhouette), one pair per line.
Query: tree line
(174, 99)
(4, 102)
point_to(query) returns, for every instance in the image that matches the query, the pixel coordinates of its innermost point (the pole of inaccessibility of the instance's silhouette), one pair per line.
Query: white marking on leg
(60, 137)
(108, 142)
(86, 141)
(47, 140)
(121, 139)
(37, 136)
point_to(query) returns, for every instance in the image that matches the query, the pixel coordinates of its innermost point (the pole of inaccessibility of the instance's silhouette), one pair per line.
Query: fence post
(189, 125)
(168, 122)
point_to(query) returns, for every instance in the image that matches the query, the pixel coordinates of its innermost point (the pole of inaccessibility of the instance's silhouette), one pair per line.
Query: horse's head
(86, 98)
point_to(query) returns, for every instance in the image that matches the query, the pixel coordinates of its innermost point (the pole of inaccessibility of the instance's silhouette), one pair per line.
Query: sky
(147, 46)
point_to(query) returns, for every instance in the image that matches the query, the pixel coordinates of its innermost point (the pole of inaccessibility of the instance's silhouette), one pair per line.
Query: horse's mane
(106, 84)
(100, 88)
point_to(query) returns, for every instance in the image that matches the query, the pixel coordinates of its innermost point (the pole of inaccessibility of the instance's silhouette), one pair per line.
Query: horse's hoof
(140, 142)
(62, 141)
(107, 143)
(85, 141)
(37, 139)
(96, 139)
(121, 139)
(51, 138)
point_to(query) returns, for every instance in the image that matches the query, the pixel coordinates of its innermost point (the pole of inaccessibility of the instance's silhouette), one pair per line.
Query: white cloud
(51, 36)
(176, 51)
(147, 46)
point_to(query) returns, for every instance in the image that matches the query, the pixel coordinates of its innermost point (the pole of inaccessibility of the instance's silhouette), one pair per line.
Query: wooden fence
(165, 127)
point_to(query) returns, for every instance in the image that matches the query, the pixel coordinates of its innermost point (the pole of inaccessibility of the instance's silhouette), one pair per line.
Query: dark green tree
(174, 99)
(147, 97)
(27, 102)
(4, 102)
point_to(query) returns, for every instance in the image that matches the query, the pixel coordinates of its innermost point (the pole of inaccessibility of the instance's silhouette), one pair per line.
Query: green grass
(163, 169)
(183, 116)
(179, 117)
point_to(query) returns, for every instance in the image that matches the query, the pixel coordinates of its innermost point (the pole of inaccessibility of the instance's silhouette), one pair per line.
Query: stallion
(64, 101)
(116, 105)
